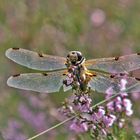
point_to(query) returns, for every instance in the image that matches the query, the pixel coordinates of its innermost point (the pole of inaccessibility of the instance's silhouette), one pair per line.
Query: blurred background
(96, 28)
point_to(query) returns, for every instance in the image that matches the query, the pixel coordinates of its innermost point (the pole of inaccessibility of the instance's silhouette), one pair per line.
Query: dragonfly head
(75, 57)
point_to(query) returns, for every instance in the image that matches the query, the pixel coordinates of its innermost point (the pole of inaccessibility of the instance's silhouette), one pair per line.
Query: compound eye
(79, 56)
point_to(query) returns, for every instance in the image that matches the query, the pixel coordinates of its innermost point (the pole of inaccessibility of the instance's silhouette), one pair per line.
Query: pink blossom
(98, 17)
(69, 79)
(123, 94)
(101, 112)
(109, 92)
(78, 126)
(110, 106)
(118, 108)
(83, 103)
(118, 100)
(129, 112)
(109, 120)
(128, 107)
(123, 84)
(127, 103)
(13, 131)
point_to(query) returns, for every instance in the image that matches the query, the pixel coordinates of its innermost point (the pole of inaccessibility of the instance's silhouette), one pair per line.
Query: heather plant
(104, 120)
(100, 120)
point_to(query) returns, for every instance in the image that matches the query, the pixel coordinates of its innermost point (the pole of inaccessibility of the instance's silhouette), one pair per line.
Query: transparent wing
(34, 60)
(46, 83)
(115, 64)
(101, 82)
(66, 88)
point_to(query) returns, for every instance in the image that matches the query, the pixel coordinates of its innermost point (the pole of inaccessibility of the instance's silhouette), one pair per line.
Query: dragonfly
(73, 72)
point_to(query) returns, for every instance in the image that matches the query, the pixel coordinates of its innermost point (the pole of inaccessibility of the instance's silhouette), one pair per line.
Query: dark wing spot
(94, 75)
(16, 75)
(117, 58)
(45, 74)
(65, 82)
(40, 55)
(15, 48)
(112, 76)
(64, 74)
(137, 79)
(138, 53)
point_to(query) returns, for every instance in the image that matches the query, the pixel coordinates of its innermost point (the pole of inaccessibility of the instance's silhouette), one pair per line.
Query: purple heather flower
(127, 103)
(66, 110)
(98, 119)
(118, 100)
(82, 103)
(39, 121)
(109, 92)
(123, 84)
(36, 120)
(98, 115)
(123, 94)
(69, 79)
(128, 107)
(120, 103)
(12, 132)
(118, 107)
(14, 124)
(129, 112)
(110, 106)
(78, 126)
(109, 120)
(115, 105)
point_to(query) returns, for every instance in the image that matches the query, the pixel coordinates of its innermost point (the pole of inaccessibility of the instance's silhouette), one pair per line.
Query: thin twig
(51, 128)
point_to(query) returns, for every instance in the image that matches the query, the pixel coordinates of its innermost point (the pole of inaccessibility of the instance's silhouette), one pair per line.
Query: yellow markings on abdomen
(91, 74)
